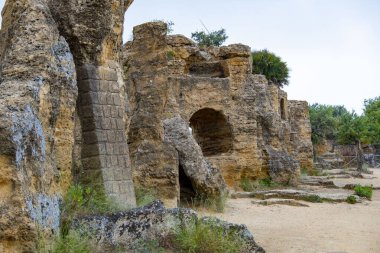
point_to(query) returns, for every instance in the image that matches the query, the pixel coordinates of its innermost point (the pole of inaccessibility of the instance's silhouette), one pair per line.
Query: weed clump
(351, 199)
(313, 198)
(364, 191)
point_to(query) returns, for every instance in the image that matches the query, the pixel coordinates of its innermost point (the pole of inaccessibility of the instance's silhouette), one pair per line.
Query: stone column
(105, 156)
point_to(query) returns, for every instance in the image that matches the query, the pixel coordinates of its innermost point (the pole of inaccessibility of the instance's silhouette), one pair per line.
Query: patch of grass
(351, 199)
(206, 237)
(364, 191)
(252, 185)
(73, 242)
(248, 185)
(84, 200)
(313, 199)
(145, 195)
(213, 203)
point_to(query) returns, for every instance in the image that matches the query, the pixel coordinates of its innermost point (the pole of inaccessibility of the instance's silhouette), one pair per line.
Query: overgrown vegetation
(73, 242)
(84, 200)
(213, 38)
(249, 185)
(145, 195)
(78, 200)
(268, 64)
(364, 191)
(336, 123)
(351, 199)
(206, 237)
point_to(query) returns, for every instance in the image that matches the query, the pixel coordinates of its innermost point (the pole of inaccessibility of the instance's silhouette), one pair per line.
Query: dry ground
(322, 227)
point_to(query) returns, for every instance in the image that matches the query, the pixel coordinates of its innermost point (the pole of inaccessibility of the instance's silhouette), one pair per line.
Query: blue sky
(331, 46)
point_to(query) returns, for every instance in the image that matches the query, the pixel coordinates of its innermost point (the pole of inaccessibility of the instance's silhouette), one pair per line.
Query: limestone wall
(301, 146)
(38, 93)
(50, 52)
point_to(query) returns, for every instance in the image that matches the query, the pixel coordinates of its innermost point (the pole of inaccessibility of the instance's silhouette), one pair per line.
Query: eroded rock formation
(50, 54)
(195, 119)
(126, 230)
(244, 126)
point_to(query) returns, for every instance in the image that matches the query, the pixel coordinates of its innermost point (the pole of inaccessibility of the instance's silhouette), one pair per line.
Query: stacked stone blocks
(105, 155)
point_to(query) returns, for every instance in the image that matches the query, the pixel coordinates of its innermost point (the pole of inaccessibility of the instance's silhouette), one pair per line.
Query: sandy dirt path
(322, 227)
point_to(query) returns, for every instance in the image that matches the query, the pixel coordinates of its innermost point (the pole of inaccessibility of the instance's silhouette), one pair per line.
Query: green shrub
(363, 191)
(351, 199)
(313, 199)
(145, 195)
(207, 237)
(268, 64)
(213, 38)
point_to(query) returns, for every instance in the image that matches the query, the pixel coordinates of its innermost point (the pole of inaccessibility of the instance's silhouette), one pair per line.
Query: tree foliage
(372, 120)
(270, 65)
(337, 124)
(213, 38)
(364, 128)
(324, 121)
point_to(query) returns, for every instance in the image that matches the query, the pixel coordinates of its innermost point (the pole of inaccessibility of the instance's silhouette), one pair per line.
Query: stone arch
(282, 109)
(212, 131)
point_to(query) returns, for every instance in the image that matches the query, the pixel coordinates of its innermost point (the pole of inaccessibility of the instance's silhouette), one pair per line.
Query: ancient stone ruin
(76, 106)
(205, 105)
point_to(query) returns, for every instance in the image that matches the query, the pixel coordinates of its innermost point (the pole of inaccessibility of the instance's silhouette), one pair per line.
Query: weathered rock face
(49, 50)
(302, 147)
(127, 230)
(240, 122)
(38, 93)
(153, 160)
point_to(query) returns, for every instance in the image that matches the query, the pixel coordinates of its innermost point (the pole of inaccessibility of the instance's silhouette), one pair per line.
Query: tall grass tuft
(207, 237)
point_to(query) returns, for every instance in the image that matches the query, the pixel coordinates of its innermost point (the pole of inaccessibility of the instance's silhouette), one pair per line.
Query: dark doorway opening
(187, 192)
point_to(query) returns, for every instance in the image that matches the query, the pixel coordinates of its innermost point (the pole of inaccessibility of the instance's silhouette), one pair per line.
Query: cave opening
(212, 131)
(187, 192)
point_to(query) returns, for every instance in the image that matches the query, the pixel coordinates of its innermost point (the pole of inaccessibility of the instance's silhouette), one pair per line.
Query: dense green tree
(324, 122)
(338, 124)
(372, 120)
(355, 129)
(270, 65)
(351, 131)
(213, 38)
